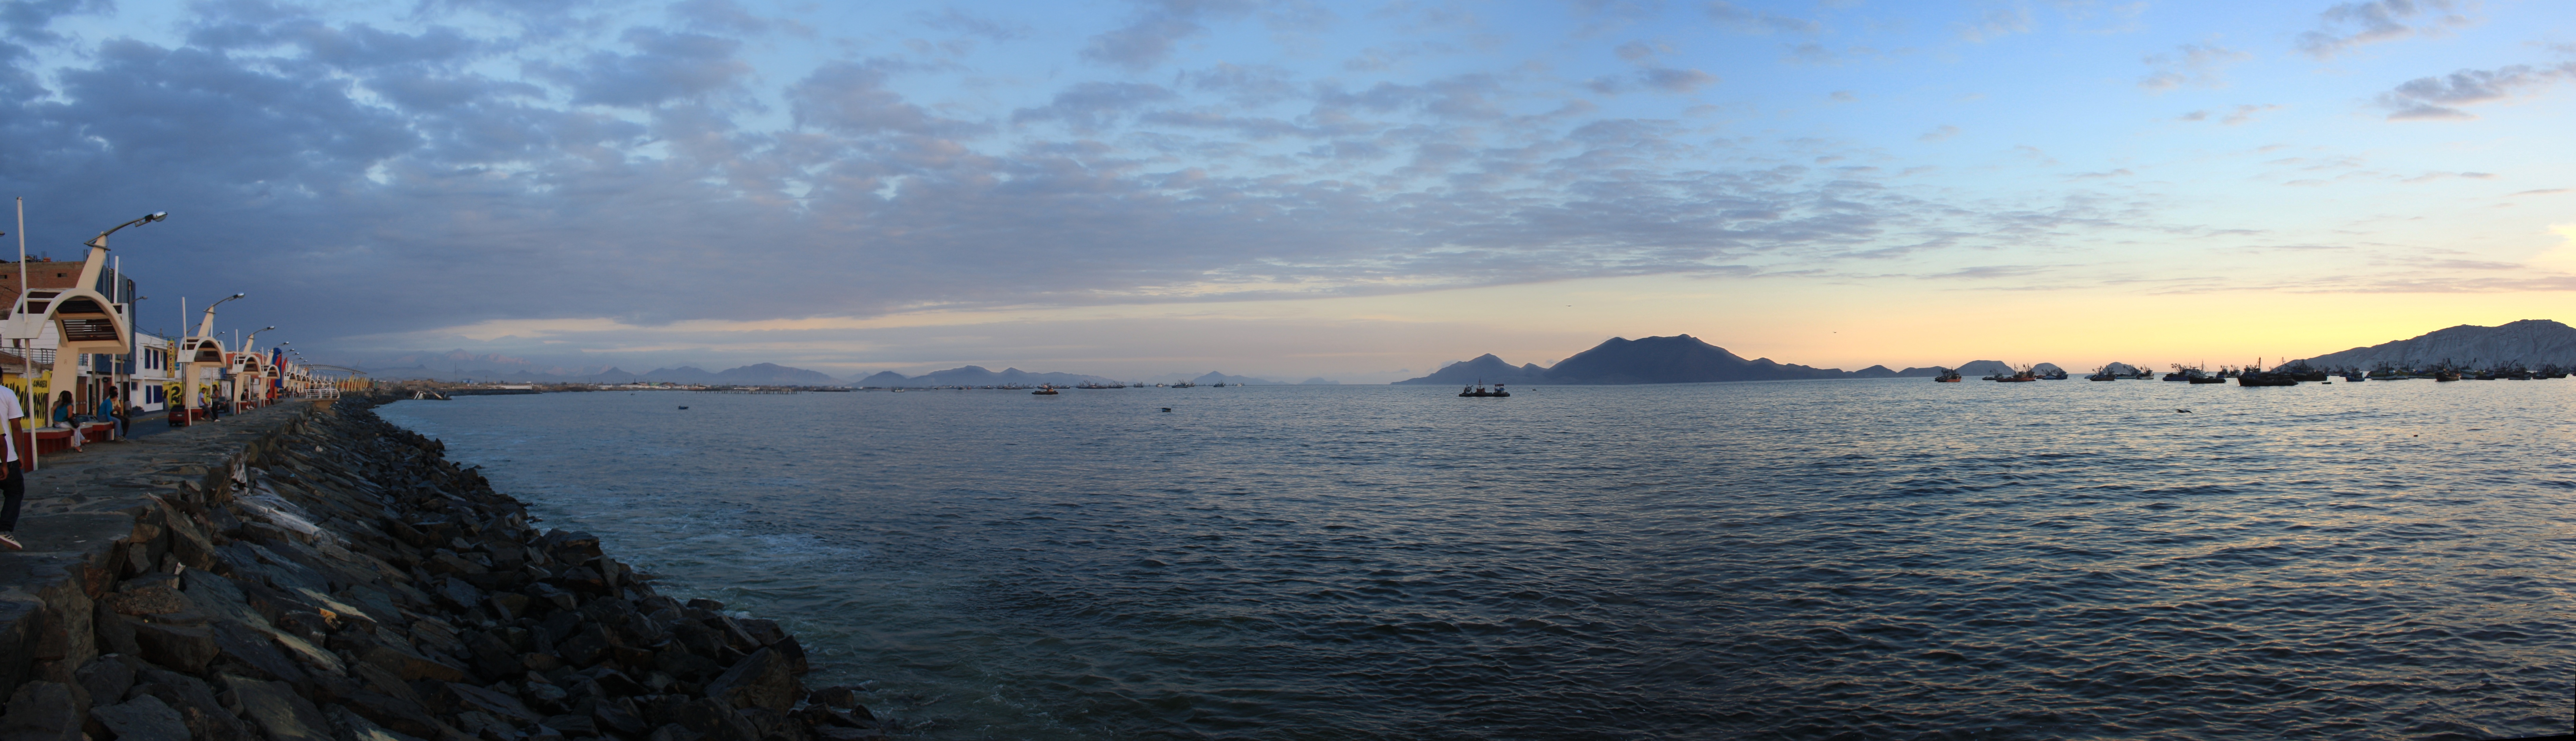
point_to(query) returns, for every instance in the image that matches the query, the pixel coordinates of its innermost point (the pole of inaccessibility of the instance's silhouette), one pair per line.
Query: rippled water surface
(1875, 559)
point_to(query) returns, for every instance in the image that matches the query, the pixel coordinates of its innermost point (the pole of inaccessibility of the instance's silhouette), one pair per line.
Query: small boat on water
(1045, 391)
(2254, 375)
(1948, 376)
(2103, 374)
(1478, 390)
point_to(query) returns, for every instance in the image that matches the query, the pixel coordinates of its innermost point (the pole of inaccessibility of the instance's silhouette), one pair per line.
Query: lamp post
(116, 291)
(245, 349)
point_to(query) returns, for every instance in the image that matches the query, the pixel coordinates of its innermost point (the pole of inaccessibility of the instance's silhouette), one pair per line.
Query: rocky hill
(2530, 343)
(1676, 359)
(1486, 368)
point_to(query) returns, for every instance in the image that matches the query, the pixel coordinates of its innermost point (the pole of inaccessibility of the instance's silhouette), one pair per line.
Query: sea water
(1877, 559)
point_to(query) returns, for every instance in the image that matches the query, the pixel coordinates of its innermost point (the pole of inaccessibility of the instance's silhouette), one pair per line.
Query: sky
(1356, 191)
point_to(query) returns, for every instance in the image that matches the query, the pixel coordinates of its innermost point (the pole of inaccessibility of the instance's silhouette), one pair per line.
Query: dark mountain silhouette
(773, 374)
(1881, 371)
(1982, 368)
(976, 375)
(1677, 359)
(1485, 368)
(682, 374)
(2531, 343)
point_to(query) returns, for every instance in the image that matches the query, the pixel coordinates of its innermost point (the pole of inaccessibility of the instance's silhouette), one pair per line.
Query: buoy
(683, 407)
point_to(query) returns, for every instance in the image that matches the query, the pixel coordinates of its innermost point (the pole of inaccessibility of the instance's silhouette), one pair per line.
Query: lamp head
(156, 216)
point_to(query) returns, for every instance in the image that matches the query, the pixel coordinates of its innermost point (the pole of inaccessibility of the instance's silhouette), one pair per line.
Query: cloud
(2234, 116)
(1994, 24)
(1093, 106)
(852, 99)
(1944, 132)
(952, 20)
(1677, 81)
(1157, 29)
(2439, 98)
(2195, 65)
(667, 66)
(2348, 26)
(1733, 17)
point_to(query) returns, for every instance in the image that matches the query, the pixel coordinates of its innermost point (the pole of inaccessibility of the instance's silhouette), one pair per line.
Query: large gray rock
(253, 651)
(185, 647)
(355, 727)
(278, 711)
(144, 718)
(766, 679)
(206, 717)
(108, 677)
(43, 711)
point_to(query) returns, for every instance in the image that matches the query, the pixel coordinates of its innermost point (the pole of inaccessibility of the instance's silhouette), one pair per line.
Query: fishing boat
(2026, 375)
(1045, 391)
(1478, 390)
(2254, 375)
(1948, 376)
(2103, 374)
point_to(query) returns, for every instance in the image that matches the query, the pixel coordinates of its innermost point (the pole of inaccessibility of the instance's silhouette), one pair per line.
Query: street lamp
(100, 241)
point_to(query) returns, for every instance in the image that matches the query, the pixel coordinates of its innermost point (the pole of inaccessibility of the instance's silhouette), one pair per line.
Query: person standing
(13, 488)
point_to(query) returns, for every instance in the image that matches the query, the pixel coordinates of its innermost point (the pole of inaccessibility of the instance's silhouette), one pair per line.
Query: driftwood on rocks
(314, 572)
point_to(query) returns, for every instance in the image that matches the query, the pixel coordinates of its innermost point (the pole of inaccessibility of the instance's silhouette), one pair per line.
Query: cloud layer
(386, 174)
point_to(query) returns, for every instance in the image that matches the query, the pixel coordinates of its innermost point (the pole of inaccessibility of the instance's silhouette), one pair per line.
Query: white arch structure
(199, 351)
(83, 322)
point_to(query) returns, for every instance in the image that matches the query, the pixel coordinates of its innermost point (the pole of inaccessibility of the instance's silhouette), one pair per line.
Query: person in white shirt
(14, 487)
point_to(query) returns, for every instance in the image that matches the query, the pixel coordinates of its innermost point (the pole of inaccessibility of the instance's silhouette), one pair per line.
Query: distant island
(1676, 359)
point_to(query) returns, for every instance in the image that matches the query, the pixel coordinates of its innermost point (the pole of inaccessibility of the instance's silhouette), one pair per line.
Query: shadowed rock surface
(309, 571)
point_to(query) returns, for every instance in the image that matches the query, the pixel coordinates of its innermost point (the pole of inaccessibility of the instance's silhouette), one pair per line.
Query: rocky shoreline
(333, 576)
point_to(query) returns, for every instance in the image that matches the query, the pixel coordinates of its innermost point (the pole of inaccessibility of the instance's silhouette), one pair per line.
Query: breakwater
(309, 571)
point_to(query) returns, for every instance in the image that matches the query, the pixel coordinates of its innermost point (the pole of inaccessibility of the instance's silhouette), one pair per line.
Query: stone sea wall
(310, 571)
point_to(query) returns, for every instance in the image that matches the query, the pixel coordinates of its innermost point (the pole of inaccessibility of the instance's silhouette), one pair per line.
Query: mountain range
(1676, 359)
(2531, 343)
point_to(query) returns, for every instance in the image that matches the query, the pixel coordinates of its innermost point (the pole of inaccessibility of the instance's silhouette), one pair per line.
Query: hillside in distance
(2530, 343)
(976, 375)
(1620, 361)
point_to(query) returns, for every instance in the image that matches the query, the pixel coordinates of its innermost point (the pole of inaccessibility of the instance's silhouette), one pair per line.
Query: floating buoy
(1167, 409)
(683, 407)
